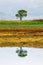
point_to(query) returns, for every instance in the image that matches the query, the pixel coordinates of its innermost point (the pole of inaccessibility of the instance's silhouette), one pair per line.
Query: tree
(21, 52)
(21, 14)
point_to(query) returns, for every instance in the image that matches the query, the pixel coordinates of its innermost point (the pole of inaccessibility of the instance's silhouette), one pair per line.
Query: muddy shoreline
(26, 37)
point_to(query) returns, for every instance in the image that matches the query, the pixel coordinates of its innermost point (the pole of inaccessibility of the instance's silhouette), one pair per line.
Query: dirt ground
(25, 37)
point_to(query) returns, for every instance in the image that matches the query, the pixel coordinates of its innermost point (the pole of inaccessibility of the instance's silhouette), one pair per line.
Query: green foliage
(21, 14)
(17, 51)
(17, 15)
(21, 52)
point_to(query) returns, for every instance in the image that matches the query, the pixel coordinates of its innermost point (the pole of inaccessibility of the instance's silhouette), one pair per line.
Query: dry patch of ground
(28, 37)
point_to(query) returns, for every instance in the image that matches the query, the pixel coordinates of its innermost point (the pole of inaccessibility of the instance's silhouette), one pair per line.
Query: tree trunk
(20, 17)
(21, 49)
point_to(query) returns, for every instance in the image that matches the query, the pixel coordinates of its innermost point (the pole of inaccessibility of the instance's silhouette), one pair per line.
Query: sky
(8, 56)
(8, 8)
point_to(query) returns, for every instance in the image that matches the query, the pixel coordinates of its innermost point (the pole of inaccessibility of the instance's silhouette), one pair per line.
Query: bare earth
(25, 37)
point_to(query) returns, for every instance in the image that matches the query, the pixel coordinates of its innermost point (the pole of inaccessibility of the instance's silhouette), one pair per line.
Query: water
(8, 56)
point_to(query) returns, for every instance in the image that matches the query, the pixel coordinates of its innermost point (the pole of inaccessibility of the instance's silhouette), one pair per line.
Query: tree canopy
(21, 14)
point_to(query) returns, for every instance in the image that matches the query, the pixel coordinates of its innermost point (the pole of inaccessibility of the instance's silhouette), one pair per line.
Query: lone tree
(21, 52)
(21, 14)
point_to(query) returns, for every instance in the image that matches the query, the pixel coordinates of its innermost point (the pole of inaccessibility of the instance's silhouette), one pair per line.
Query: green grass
(24, 23)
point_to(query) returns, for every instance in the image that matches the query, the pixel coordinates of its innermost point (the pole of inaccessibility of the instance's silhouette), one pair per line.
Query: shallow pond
(8, 56)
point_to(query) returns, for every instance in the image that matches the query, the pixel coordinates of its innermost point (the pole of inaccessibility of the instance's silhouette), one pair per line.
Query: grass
(21, 37)
(18, 23)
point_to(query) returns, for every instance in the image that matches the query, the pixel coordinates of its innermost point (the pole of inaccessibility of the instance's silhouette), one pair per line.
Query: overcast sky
(8, 8)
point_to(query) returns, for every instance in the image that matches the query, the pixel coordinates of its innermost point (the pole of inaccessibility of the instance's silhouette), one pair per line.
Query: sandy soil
(28, 37)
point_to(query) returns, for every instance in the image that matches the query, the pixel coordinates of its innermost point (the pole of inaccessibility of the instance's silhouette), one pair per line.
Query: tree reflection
(21, 52)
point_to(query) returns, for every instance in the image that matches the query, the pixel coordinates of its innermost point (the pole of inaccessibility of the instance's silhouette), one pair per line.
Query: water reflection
(8, 56)
(21, 52)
